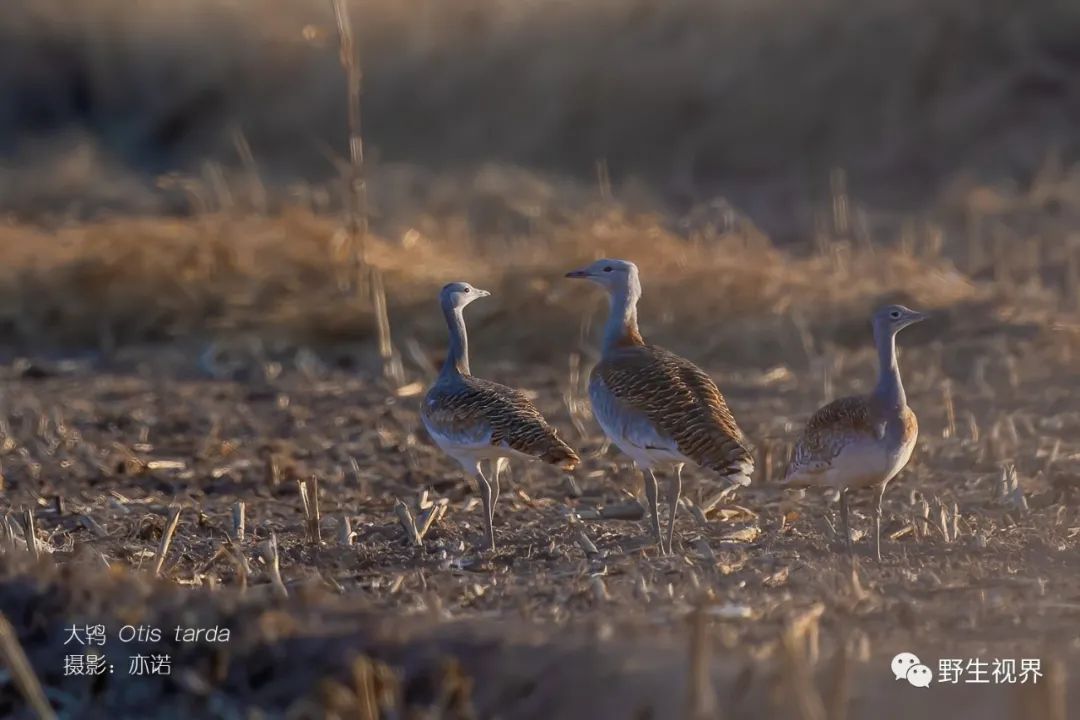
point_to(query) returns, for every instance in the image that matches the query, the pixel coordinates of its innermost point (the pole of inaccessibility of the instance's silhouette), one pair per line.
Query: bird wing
(831, 429)
(484, 412)
(681, 401)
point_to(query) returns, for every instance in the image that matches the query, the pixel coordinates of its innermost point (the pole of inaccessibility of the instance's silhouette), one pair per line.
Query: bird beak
(482, 293)
(917, 317)
(578, 274)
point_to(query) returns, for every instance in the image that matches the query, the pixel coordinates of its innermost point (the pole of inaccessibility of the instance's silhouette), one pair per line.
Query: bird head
(609, 273)
(894, 318)
(460, 294)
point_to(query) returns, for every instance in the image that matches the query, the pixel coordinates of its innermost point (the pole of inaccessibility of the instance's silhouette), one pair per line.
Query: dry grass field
(189, 336)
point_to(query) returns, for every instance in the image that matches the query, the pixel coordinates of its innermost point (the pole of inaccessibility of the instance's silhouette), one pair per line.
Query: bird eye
(607, 268)
(467, 290)
(895, 314)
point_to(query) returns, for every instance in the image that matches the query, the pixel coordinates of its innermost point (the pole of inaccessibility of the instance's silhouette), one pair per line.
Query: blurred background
(756, 100)
(943, 128)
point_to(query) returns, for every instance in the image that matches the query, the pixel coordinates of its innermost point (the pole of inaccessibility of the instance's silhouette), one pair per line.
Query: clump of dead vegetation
(291, 277)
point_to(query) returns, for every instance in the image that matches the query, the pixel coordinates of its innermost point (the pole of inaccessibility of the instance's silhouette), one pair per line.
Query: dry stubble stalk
(16, 662)
(239, 514)
(309, 496)
(166, 538)
(29, 527)
(273, 556)
(405, 518)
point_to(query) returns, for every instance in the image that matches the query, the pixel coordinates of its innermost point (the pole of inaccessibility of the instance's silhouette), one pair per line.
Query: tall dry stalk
(363, 276)
(803, 697)
(356, 210)
(701, 702)
(950, 409)
(257, 194)
(22, 672)
(603, 179)
(1072, 273)
(391, 360)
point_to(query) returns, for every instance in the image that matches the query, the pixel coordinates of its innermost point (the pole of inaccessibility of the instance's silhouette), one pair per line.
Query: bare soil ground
(758, 614)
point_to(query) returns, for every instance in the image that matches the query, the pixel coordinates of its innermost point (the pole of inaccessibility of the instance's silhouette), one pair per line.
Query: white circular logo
(904, 662)
(920, 676)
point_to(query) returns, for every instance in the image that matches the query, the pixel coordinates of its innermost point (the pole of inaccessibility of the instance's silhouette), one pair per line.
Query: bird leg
(674, 491)
(877, 522)
(485, 495)
(844, 526)
(650, 494)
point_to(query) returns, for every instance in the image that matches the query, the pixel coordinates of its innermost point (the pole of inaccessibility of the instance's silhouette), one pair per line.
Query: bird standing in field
(658, 408)
(862, 441)
(474, 420)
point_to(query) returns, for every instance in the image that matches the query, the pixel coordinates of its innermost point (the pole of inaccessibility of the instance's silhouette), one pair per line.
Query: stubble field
(575, 615)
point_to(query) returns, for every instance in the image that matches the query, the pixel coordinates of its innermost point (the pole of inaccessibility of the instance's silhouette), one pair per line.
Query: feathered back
(844, 422)
(470, 410)
(680, 400)
(829, 431)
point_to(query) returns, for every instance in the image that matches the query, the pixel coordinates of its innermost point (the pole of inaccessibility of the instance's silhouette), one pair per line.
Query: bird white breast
(864, 464)
(859, 464)
(471, 436)
(468, 448)
(899, 458)
(631, 431)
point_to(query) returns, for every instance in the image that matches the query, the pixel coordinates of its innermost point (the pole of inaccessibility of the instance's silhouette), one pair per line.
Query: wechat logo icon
(907, 666)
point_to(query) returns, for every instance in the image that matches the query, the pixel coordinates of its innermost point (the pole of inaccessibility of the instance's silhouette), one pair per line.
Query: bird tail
(561, 455)
(738, 469)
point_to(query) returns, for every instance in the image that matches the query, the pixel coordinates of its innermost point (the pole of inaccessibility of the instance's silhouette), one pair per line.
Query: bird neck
(622, 326)
(889, 390)
(457, 356)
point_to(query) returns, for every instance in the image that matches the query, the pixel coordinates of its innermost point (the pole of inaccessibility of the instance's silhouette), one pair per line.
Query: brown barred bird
(658, 408)
(863, 441)
(474, 420)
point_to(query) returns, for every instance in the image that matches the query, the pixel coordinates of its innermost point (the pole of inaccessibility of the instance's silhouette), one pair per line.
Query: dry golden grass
(285, 276)
(366, 617)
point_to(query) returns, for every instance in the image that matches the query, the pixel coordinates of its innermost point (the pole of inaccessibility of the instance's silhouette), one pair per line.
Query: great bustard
(658, 408)
(474, 420)
(862, 441)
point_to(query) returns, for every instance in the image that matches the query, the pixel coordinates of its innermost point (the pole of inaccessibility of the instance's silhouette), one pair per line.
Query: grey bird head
(609, 273)
(894, 318)
(460, 294)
